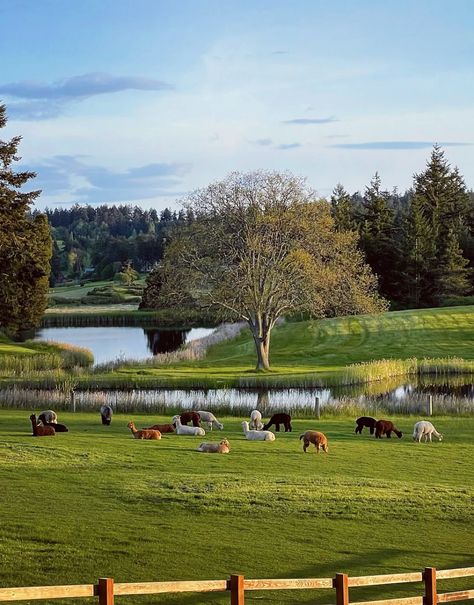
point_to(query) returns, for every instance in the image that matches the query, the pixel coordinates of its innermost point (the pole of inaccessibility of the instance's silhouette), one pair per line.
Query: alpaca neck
(35, 427)
(133, 429)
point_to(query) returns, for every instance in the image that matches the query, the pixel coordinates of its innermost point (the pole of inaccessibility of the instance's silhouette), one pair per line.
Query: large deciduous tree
(261, 247)
(25, 245)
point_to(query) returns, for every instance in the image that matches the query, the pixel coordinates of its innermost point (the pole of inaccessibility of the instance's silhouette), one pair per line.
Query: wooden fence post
(430, 405)
(236, 590)
(341, 584)
(317, 408)
(73, 400)
(106, 591)
(431, 593)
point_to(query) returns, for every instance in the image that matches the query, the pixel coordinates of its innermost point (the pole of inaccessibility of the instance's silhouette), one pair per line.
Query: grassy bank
(95, 502)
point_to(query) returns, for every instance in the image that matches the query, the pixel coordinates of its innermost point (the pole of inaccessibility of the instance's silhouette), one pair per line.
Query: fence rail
(106, 589)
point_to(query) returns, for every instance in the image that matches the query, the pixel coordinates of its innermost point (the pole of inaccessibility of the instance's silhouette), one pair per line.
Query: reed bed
(51, 357)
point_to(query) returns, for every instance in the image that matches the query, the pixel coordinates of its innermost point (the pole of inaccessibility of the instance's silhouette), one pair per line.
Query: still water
(110, 343)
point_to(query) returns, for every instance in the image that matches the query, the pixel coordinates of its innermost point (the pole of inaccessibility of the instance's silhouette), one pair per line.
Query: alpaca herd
(46, 425)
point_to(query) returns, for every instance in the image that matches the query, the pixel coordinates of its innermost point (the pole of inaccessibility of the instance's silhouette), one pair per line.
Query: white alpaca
(211, 420)
(48, 416)
(256, 420)
(425, 429)
(257, 435)
(187, 430)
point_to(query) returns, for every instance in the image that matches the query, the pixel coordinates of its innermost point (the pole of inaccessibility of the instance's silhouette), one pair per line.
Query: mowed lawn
(95, 502)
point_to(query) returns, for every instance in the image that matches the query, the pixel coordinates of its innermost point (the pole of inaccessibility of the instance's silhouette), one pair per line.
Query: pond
(110, 343)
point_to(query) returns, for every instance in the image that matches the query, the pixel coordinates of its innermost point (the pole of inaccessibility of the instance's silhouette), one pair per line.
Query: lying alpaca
(257, 435)
(211, 420)
(256, 420)
(58, 428)
(40, 430)
(143, 433)
(425, 429)
(188, 430)
(319, 439)
(106, 414)
(163, 428)
(223, 447)
(190, 416)
(278, 419)
(365, 421)
(386, 427)
(48, 417)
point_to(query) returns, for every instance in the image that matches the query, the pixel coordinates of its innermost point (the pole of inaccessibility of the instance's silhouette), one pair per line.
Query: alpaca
(256, 420)
(319, 439)
(143, 433)
(211, 420)
(223, 447)
(190, 416)
(278, 419)
(58, 428)
(188, 430)
(425, 429)
(106, 414)
(40, 430)
(163, 428)
(365, 421)
(386, 427)
(257, 435)
(48, 417)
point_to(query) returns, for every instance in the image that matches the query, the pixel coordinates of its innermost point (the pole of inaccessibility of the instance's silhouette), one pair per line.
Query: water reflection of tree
(164, 341)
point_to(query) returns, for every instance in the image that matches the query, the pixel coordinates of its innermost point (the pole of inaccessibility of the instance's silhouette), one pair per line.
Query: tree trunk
(262, 346)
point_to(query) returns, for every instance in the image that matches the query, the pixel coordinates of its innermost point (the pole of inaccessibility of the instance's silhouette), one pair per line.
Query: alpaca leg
(277, 428)
(389, 434)
(372, 429)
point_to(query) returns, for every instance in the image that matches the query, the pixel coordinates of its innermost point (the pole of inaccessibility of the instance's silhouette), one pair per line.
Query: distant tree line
(99, 241)
(420, 244)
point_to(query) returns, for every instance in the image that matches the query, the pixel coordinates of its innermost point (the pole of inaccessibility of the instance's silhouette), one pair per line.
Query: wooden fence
(238, 585)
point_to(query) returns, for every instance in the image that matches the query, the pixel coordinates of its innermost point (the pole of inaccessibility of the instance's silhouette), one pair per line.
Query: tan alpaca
(319, 439)
(223, 447)
(144, 433)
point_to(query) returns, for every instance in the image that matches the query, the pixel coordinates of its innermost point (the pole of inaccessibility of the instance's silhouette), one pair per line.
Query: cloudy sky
(142, 101)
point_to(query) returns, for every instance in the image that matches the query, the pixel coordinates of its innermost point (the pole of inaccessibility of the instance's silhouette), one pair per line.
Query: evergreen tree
(343, 209)
(453, 273)
(25, 245)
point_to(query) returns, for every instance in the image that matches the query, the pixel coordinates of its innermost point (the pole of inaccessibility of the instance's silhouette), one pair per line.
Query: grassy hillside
(95, 502)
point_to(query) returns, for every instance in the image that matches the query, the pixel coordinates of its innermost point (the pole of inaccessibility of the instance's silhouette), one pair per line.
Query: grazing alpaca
(223, 447)
(40, 430)
(365, 421)
(425, 429)
(256, 420)
(143, 433)
(278, 419)
(58, 428)
(188, 430)
(257, 435)
(163, 428)
(191, 416)
(211, 420)
(319, 439)
(386, 427)
(106, 414)
(48, 417)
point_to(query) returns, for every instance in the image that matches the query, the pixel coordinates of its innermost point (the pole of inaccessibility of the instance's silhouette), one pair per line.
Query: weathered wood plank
(289, 584)
(129, 588)
(237, 590)
(444, 574)
(459, 595)
(47, 592)
(403, 601)
(397, 578)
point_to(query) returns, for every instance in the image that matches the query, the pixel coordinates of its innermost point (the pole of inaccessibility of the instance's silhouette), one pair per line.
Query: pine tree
(343, 210)
(453, 273)
(25, 245)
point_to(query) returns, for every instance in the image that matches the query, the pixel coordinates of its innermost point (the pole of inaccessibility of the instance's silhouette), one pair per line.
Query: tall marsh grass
(51, 356)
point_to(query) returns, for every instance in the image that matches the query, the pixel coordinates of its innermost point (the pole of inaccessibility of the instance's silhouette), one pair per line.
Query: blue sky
(143, 101)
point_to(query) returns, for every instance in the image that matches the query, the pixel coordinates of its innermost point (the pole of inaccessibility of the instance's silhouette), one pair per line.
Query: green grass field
(95, 502)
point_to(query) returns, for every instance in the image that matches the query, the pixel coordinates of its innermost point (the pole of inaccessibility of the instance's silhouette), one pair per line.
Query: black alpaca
(278, 419)
(365, 421)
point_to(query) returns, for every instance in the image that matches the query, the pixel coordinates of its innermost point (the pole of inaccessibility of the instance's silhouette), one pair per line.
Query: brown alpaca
(319, 439)
(278, 419)
(163, 428)
(365, 421)
(58, 428)
(386, 427)
(193, 417)
(143, 433)
(41, 431)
